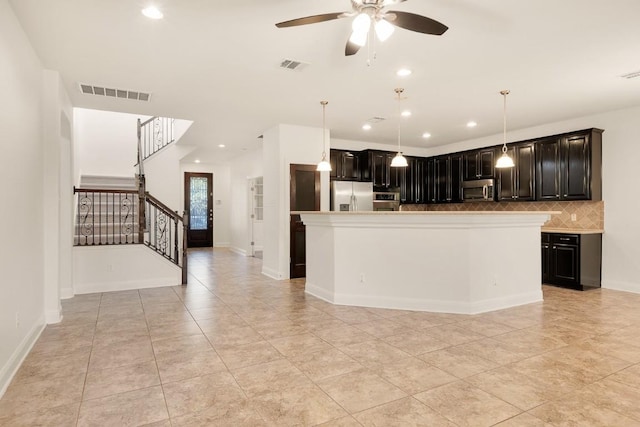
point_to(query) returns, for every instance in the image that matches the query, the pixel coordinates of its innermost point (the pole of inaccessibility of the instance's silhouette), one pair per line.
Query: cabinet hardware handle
(565, 239)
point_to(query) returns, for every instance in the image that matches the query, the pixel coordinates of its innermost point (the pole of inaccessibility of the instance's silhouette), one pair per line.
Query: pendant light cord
(504, 121)
(399, 92)
(324, 138)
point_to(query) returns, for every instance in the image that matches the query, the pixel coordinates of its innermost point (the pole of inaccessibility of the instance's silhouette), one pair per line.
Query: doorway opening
(256, 216)
(305, 196)
(198, 205)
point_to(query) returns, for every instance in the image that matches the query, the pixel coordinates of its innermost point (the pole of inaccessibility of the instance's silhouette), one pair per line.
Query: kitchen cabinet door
(525, 172)
(430, 180)
(441, 179)
(478, 164)
(507, 179)
(379, 169)
(455, 178)
(344, 165)
(571, 260)
(548, 170)
(576, 174)
(448, 178)
(419, 184)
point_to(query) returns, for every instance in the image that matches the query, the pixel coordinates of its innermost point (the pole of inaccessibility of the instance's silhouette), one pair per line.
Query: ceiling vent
(292, 64)
(114, 93)
(376, 119)
(631, 75)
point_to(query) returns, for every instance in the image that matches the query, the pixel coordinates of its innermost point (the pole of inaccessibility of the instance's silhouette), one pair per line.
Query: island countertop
(457, 262)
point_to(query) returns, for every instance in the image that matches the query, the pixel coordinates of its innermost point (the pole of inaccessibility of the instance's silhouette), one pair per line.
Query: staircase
(119, 211)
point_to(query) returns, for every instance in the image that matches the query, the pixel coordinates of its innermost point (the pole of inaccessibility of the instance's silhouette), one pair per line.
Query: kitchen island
(455, 262)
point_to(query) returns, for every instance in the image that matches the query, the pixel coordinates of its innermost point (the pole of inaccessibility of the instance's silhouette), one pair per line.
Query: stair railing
(165, 231)
(106, 217)
(154, 135)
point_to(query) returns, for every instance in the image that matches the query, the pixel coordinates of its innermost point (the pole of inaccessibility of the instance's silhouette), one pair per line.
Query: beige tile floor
(234, 348)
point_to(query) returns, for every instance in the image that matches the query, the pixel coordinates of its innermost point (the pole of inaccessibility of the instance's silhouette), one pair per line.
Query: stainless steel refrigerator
(351, 196)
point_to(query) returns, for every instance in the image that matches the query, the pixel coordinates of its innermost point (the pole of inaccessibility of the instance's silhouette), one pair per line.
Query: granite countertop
(572, 230)
(434, 213)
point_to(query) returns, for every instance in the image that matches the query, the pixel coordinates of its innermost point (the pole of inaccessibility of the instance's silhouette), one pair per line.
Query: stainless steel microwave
(480, 190)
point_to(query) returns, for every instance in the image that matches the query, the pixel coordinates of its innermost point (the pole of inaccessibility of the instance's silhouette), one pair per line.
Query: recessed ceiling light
(426, 135)
(403, 72)
(196, 161)
(472, 124)
(366, 126)
(152, 12)
(221, 145)
(406, 113)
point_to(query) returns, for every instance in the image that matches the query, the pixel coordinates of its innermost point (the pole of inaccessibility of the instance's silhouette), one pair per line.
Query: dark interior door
(198, 201)
(305, 196)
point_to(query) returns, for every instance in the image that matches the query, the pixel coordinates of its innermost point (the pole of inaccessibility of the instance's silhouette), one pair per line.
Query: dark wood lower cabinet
(572, 260)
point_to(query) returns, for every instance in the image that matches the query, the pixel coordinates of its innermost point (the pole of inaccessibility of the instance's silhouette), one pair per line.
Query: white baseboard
(66, 293)
(238, 251)
(271, 273)
(417, 304)
(127, 285)
(53, 316)
(222, 245)
(10, 369)
(621, 286)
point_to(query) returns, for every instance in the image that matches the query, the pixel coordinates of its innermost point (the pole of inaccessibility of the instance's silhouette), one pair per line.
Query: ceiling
(217, 63)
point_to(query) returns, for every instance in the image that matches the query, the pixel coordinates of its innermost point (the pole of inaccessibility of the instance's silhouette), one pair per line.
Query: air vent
(292, 64)
(376, 119)
(114, 93)
(631, 75)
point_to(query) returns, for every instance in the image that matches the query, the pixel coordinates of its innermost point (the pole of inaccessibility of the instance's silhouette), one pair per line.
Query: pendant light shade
(504, 161)
(399, 161)
(324, 165)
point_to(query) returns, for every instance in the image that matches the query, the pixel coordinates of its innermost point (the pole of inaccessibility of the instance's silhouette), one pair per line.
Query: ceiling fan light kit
(368, 12)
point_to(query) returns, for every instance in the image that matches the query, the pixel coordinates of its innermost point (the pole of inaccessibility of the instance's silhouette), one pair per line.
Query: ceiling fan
(372, 12)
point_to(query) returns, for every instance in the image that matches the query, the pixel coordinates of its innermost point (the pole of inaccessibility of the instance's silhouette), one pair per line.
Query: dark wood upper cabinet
(569, 167)
(448, 178)
(479, 164)
(560, 167)
(345, 165)
(518, 183)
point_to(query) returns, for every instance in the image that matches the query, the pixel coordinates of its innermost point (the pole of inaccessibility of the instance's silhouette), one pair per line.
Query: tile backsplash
(589, 215)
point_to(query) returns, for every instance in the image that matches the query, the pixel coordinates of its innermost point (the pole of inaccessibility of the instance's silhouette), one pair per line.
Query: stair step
(108, 182)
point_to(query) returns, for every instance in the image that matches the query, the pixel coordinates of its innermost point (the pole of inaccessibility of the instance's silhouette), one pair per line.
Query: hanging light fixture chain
(504, 120)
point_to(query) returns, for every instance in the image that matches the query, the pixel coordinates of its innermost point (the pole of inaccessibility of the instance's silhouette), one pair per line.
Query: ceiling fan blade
(311, 19)
(351, 48)
(413, 22)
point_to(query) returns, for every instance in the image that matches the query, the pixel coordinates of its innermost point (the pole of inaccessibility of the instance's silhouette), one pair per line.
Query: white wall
(284, 145)
(620, 151)
(21, 191)
(58, 193)
(121, 267)
(242, 168)
(106, 142)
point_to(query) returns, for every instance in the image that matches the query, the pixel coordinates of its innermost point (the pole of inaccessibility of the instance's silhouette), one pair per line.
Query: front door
(305, 196)
(198, 201)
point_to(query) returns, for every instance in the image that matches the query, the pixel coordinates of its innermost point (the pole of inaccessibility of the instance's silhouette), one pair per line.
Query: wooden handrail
(166, 209)
(102, 190)
(148, 121)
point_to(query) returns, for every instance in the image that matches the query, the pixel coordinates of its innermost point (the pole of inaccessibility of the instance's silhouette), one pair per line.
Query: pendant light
(324, 165)
(399, 161)
(504, 161)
